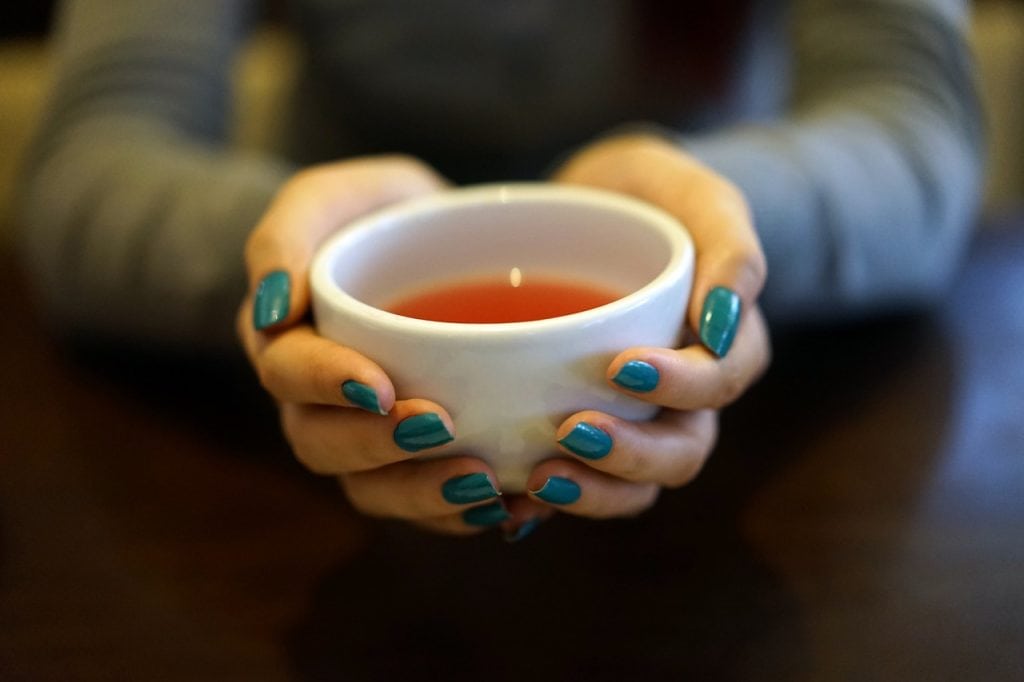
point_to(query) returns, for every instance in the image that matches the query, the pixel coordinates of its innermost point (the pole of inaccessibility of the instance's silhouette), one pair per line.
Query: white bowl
(509, 385)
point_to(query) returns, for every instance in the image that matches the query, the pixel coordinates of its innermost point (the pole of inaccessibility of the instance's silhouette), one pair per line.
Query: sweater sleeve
(133, 208)
(864, 193)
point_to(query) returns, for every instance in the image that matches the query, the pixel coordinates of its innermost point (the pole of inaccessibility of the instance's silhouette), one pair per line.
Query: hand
(338, 408)
(615, 467)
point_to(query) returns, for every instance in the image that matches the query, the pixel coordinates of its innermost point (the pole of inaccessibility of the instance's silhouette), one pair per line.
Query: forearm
(137, 234)
(864, 194)
(134, 211)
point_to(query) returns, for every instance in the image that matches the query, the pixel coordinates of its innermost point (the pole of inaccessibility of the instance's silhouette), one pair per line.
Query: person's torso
(510, 83)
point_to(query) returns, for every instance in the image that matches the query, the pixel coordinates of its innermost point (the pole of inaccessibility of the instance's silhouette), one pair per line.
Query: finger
(526, 516)
(297, 365)
(336, 440)
(669, 450)
(420, 489)
(308, 209)
(693, 378)
(574, 488)
(408, 491)
(513, 517)
(730, 267)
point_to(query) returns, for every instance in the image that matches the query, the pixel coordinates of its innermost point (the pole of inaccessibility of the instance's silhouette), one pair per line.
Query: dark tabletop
(861, 519)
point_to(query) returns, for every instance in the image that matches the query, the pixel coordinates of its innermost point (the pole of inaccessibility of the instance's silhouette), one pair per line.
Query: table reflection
(861, 519)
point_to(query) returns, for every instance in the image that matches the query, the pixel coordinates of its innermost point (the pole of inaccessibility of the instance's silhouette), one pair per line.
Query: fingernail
(719, 319)
(272, 300)
(469, 488)
(522, 531)
(421, 431)
(637, 376)
(487, 515)
(587, 441)
(557, 490)
(362, 396)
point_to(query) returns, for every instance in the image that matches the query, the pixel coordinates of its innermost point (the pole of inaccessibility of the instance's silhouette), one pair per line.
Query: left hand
(614, 467)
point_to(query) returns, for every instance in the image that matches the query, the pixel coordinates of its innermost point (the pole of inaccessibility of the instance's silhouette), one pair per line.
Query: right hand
(338, 408)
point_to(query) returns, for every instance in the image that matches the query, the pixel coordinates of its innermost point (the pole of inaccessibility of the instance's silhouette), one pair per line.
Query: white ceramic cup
(507, 386)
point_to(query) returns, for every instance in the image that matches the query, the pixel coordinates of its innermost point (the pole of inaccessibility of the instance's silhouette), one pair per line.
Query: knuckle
(260, 242)
(252, 246)
(308, 451)
(691, 465)
(686, 473)
(359, 497)
(405, 162)
(754, 269)
(732, 383)
(242, 324)
(748, 268)
(300, 178)
(733, 194)
(420, 174)
(241, 319)
(312, 464)
(645, 500)
(270, 376)
(292, 428)
(689, 470)
(729, 195)
(632, 466)
(691, 462)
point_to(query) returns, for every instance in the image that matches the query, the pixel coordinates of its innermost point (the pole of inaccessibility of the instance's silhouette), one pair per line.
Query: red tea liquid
(489, 301)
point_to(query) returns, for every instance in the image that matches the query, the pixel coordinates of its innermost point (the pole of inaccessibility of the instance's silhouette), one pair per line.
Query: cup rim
(325, 290)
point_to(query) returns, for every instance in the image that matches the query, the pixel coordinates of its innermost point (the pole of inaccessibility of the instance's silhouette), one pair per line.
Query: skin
(303, 371)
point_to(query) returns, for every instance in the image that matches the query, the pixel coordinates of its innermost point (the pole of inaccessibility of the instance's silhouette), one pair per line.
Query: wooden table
(862, 519)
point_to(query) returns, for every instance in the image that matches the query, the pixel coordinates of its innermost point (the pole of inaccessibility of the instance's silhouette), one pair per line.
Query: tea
(511, 298)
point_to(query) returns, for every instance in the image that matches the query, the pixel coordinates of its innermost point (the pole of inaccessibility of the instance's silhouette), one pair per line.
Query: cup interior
(569, 233)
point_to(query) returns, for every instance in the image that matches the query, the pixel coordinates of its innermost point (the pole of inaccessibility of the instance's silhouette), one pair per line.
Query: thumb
(730, 266)
(730, 269)
(310, 207)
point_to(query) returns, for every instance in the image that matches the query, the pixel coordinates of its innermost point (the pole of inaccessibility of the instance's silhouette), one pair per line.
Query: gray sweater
(851, 125)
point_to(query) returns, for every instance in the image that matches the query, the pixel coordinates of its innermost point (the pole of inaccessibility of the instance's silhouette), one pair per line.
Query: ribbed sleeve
(865, 192)
(134, 210)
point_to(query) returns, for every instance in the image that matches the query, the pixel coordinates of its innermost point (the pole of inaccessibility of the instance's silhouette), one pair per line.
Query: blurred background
(267, 65)
(880, 538)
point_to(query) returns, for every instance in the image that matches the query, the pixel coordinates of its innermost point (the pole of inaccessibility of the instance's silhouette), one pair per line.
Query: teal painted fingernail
(587, 441)
(468, 488)
(272, 300)
(362, 396)
(421, 431)
(487, 515)
(523, 530)
(719, 319)
(637, 376)
(557, 490)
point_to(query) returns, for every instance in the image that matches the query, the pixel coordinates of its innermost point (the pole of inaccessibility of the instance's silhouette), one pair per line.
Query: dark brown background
(862, 519)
